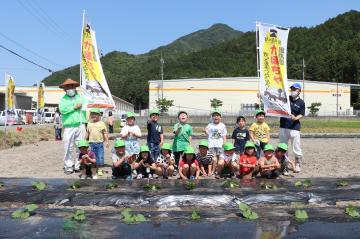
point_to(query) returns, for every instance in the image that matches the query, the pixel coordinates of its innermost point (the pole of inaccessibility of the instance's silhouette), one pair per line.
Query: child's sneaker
(139, 176)
(150, 176)
(95, 177)
(192, 177)
(100, 172)
(129, 178)
(297, 168)
(83, 176)
(286, 172)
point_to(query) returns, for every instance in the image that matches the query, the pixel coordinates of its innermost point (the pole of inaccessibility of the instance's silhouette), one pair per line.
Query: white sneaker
(94, 177)
(286, 172)
(150, 176)
(83, 176)
(297, 168)
(139, 176)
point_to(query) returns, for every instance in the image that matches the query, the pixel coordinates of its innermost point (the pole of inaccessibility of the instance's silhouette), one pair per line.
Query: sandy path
(322, 158)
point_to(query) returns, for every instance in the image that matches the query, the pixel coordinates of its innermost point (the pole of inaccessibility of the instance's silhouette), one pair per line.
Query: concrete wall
(239, 94)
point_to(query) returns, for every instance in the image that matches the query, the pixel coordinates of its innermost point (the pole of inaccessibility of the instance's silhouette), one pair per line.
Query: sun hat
(83, 143)
(68, 82)
(204, 143)
(268, 147)
(119, 143)
(228, 146)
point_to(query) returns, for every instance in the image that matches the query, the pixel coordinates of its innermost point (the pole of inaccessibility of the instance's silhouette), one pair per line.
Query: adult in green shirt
(183, 136)
(73, 119)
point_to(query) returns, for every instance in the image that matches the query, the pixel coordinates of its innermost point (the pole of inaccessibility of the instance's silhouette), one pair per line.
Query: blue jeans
(98, 149)
(154, 150)
(58, 134)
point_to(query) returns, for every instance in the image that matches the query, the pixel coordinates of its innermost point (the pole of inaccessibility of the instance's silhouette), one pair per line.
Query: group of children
(247, 155)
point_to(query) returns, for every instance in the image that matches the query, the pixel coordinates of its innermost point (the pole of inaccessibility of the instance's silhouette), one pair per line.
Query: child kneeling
(285, 162)
(269, 165)
(166, 161)
(121, 166)
(248, 162)
(189, 166)
(205, 159)
(87, 161)
(228, 160)
(145, 165)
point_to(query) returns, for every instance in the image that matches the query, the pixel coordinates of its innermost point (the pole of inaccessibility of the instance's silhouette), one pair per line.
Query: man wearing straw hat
(73, 120)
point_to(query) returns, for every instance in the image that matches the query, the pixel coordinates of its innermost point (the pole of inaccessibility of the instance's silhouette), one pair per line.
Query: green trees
(331, 50)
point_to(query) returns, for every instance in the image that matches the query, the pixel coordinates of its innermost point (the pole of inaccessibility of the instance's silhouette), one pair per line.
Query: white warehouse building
(239, 95)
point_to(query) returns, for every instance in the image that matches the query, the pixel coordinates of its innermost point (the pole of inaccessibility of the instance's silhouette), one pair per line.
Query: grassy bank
(13, 138)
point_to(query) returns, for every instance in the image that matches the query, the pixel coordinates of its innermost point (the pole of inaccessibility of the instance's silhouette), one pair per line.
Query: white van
(49, 117)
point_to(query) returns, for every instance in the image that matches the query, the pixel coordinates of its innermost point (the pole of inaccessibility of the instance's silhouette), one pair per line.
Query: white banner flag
(272, 46)
(95, 88)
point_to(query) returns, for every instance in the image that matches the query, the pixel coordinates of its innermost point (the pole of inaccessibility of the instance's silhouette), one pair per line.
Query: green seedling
(75, 185)
(79, 215)
(305, 183)
(24, 213)
(268, 186)
(110, 186)
(195, 215)
(128, 217)
(247, 212)
(1, 184)
(190, 185)
(301, 215)
(343, 183)
(352, 211)
(39, 186)
(230, 184)
(69, 225)
(152, 187)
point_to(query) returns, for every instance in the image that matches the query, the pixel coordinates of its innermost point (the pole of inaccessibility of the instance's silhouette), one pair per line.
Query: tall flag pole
(93, 81)
(273, 82)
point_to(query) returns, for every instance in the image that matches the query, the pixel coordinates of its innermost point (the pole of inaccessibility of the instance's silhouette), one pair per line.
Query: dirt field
(322, 158)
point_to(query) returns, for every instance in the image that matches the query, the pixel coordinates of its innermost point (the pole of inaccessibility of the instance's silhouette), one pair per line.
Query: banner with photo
(273, 86)
(10, 100)
(93, 81)
(40, 102)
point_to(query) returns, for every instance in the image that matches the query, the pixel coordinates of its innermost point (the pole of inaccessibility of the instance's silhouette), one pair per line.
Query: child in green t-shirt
(183, 132)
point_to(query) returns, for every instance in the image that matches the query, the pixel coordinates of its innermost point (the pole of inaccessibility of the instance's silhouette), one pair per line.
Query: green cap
(283, 146)
(154, 112)
(250, 144)
(189, 150)
(83, 143)
(268, 147)
(228, 146)
(130, 115)
(144, 148)
(215, 112)
(166, 146)
(95, 110)
(119, 143)
(204, 143)
(259, 111)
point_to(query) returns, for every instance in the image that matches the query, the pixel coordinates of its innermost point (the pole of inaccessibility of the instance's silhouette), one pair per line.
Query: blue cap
(296, 86)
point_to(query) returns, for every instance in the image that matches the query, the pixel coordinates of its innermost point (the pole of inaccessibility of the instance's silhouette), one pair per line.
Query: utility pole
(303, 76)
(337, 96)
(162, 62)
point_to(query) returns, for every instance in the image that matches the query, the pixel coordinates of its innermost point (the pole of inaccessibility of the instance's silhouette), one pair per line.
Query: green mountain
(331, 51)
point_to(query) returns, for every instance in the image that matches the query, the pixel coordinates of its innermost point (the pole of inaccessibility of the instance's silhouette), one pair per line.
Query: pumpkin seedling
(195, 215)
(247, 212)
(24, 213)
(352, 211)
(75, 185)
(152, 187)
(128, 217)
(230, 184)
(110, 186)
(301, 215)
(190, 185)
(268, 186)
(39, 186)
(79, 215)
(305, 183)
(343, 183)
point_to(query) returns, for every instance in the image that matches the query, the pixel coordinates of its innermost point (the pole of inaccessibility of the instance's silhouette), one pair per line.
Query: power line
(24, 58)
(25, 48)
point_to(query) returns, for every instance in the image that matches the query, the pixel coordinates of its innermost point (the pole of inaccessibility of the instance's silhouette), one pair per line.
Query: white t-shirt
(232, 158)
(216, 134)
(134, 128)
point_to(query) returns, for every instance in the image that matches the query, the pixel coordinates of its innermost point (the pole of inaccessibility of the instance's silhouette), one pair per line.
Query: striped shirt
(205, 160)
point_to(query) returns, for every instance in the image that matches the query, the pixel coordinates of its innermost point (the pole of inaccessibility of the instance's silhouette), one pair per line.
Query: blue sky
(51, 29)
